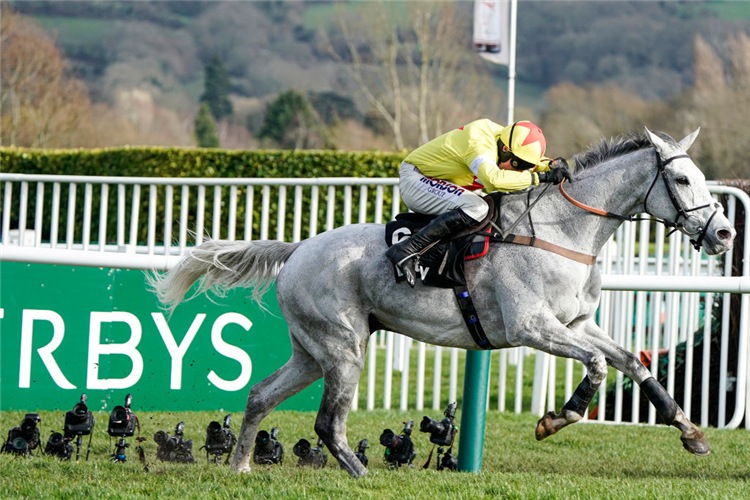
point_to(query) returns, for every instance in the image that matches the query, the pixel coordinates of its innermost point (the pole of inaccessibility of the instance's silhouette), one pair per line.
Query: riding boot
(405, 254)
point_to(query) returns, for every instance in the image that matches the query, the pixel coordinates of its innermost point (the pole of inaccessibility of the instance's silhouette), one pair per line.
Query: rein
(532, 241)
(681, 212)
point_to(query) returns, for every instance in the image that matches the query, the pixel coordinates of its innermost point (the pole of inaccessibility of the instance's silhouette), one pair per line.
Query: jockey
(446, 177)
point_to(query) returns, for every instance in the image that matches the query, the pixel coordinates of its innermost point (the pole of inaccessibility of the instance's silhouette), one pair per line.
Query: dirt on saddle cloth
(442, 265)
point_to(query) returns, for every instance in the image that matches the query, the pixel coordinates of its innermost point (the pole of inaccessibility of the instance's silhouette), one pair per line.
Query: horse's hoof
(545, 427)
(240, 469)
(695, 442)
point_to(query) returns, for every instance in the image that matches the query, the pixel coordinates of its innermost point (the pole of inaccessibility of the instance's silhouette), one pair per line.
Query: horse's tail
(224, 265)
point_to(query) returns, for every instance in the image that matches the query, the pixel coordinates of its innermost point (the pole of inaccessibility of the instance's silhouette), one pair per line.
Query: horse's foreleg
(693, 439)
(300, 371)
(340, 383)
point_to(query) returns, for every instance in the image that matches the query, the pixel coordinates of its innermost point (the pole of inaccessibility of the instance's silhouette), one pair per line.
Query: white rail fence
(658, 294)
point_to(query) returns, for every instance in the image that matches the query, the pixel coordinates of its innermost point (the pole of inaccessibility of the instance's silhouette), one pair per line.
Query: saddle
(442, 265)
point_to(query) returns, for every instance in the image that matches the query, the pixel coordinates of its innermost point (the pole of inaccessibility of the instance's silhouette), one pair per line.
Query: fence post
(473, 411)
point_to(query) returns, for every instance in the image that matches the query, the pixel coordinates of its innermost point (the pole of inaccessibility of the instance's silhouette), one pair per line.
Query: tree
(205, 129)
(292, 123)
(409, 68)
(578, 116)
(382, 47)
(217, 87)
(719, 103)
(40, 104)
(333, 107)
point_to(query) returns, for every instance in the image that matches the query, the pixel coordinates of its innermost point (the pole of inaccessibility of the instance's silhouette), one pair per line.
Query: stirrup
(408, 257)
(409, 267)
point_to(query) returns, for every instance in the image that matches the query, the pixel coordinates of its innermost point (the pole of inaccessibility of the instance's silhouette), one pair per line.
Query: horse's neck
(618, 186)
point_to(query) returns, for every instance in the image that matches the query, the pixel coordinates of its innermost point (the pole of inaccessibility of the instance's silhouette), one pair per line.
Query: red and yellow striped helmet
(525, 141)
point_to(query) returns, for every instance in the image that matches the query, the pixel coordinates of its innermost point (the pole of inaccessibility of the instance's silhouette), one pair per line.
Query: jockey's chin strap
(681, 212)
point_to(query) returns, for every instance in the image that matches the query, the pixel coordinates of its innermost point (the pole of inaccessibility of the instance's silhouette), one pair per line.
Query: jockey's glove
(559, 170)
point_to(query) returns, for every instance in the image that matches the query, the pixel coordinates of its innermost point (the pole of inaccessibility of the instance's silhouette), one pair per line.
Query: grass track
(584, 461)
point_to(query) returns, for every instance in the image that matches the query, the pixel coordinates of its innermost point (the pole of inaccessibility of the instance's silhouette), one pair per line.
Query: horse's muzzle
(719, 239)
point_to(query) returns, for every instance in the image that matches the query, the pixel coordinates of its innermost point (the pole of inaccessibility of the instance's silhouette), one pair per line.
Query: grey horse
(336, 288)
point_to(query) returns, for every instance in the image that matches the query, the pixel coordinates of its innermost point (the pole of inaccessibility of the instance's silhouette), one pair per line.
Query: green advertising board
(67, 330)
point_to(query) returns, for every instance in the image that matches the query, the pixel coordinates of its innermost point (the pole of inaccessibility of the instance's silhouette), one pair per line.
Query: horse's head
(679, 195)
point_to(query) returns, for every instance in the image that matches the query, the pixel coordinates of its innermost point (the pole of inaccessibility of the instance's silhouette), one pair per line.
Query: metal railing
(656, 293)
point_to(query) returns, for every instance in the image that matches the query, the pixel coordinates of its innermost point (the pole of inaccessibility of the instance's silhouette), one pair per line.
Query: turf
(583, 461)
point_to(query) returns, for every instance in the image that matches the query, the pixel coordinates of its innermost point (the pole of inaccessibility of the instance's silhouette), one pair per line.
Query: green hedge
(175, 162)
(172, 162)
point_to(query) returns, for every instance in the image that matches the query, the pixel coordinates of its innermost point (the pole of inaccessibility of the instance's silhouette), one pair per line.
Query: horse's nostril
(724, 234)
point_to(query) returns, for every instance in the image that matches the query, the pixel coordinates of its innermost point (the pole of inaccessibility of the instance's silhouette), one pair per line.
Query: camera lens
(80, 410)
(429, 425)
(214, 427)
(28, 425)
(160, 437)
(302, 448)
(19, 444)
(119, 415)
(55, 439)
(389, 439)
(262, 438)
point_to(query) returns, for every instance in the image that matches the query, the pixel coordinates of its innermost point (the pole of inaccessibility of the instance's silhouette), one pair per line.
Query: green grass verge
(320, 15)
(72, 31)
(583, 461)
(731, 11)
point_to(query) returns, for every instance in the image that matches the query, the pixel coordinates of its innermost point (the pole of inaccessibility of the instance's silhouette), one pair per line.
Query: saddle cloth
(442, 265)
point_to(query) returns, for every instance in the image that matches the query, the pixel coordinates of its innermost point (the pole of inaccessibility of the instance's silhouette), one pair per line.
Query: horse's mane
(606, 149)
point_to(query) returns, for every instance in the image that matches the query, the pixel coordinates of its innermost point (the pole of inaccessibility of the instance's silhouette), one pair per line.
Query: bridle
(681, 212)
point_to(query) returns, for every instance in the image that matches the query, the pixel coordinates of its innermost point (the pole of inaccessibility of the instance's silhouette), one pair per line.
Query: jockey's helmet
(526, 144)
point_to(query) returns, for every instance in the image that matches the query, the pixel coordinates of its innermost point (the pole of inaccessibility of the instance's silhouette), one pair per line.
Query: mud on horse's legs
(340, 385)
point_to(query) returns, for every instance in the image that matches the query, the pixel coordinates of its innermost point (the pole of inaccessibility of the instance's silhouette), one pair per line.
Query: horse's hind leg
(340, 383)
(300, 371)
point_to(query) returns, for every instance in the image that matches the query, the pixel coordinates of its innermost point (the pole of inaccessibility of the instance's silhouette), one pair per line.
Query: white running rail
(655, 298)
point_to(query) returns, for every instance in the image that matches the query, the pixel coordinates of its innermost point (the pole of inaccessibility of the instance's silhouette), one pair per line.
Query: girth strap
(583, 258)
(469, 312)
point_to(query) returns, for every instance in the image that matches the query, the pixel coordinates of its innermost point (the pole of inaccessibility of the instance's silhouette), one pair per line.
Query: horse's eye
(683, 181)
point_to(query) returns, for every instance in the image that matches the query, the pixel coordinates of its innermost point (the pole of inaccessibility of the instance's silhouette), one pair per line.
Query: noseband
(681, 212)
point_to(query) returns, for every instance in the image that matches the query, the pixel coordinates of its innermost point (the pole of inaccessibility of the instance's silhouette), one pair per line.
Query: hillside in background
(643, 46)
(147, 60)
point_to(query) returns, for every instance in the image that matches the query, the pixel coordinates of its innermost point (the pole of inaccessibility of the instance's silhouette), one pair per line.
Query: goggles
(516, 162)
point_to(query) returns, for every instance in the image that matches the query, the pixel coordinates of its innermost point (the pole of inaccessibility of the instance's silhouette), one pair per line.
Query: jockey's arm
(482, 164)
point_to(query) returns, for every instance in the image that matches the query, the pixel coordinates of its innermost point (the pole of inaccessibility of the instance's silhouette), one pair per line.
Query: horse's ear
(656, 141)
(688, 141)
